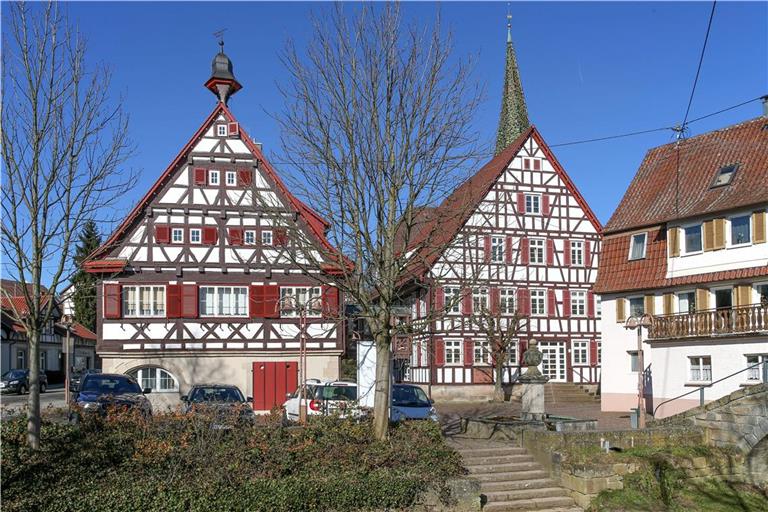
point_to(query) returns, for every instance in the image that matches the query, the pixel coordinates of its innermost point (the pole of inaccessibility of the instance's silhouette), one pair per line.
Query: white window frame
(304, 295)
(684, 245)
(755, 374)
(221, 130)
(21, 359)
(480, 300)
(132, 305)
(249, 233)
(578, 303)
(230, 178)
(699, 367)
(497, 249)
(512, 352)
(484, 349)
(756, 291)
(452, 348)
(195, 233)
(219, 302)
(177, 231)
(43, 360)
(598, 306)
(748, 216)
(534, 296)
(449, 292)
(266, 237)
(632, 238)
(577, 248)
(580, 353)
(534, 203)
(138, 374)
(677, 300)
(641, 298)
(541, 245)
(507, 299)
(213, 177)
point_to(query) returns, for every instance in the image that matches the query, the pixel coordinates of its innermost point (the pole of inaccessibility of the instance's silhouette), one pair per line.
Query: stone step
(531, 504)
(490, 452)
(514, 485)
(527, 494)
(502, 468)
(510, 476)
(500, 460)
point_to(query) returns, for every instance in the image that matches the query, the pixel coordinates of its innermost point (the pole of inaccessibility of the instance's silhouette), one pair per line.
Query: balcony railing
(711, 322)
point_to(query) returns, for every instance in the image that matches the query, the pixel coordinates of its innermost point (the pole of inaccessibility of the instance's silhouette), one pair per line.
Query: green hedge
(175, 463)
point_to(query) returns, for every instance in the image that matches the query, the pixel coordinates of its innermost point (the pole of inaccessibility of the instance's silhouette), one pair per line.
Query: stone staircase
(567, 392)
(510, 479)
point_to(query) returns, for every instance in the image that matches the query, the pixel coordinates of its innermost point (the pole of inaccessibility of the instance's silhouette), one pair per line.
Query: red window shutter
(508, 249)
(590, 304)
(466, 301)
(593, 352)
(536, 164)
(439, 352)
(256, 301)
(550, 252)
(545, 205)
(523, 301)
(244, 177)
(271, 301)
(233, 129)
(521, 203)
(526, 163)
(469, 351)
(439, 298)
(279, 237)
(201, 176)
(566, 303)
(162, 234)
(210, 235)
(173, 301)
(235, 236)
(525, 253)
(495, 300)
(551, 303)
(113, 301)
(189, 301)
(587, 253)
(330, 299)
(523, 348)
(567, 253)
(487, 248)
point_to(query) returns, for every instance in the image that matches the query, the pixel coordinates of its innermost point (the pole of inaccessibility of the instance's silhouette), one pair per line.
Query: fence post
(701, 396)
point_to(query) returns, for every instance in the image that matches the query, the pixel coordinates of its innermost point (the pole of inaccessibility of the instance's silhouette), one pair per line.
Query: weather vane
(219, 34)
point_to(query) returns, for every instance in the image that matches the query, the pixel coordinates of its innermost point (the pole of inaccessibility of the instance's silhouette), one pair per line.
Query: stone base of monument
(533, 398)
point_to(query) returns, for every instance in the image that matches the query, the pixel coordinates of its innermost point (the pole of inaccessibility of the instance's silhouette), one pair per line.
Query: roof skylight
(724, 175)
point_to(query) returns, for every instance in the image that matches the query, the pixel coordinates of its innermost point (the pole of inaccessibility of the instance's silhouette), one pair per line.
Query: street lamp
(638, 322)
(67, 321)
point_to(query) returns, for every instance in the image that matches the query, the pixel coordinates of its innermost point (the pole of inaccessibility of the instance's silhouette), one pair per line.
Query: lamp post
(638, 322)
(67, 321)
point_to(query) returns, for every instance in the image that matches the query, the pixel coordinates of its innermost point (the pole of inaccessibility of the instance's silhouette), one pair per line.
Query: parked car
(323, 398)
(224, 402)
(100, 393)
(17, 381)
(76, 376)
(409, 402)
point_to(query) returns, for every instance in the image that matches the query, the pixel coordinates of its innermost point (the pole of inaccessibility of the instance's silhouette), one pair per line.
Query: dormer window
(637, 246)
(724, 175)
(221, 130)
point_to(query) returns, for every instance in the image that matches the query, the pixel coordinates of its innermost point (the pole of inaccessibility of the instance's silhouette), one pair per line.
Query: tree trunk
(33, 403)
(498, 388)
(381, 396)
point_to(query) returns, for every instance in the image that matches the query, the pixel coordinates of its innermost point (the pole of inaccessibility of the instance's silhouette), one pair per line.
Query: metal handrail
(702, 388)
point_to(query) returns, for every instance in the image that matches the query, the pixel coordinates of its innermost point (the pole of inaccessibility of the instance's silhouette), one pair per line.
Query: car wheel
(42, 388)
(74, 418)
(284, 421)
(22, 389)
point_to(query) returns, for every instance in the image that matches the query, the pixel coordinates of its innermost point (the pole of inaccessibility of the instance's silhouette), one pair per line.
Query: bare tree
(376, 128)
(64, 143)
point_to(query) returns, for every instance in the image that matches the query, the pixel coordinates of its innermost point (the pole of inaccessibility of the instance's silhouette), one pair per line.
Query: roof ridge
(711, 132)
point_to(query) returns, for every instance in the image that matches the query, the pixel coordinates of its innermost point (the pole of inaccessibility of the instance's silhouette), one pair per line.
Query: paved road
(51, 398)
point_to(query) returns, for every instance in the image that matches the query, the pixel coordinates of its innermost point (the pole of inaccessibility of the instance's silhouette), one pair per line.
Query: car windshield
(110, 385)
(336, 393)
(216, 394)
(14, 374)
(407, 396)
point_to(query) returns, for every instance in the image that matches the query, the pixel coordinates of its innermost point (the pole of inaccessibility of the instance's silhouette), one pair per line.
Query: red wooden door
(271, 381)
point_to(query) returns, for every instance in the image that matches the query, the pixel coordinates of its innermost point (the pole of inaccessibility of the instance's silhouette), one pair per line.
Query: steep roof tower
(514, 114)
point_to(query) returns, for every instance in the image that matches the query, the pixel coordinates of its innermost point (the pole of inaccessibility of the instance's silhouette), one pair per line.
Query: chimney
(765, 105)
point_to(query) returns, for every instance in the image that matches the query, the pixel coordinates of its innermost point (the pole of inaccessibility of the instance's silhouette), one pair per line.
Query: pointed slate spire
(514, 114)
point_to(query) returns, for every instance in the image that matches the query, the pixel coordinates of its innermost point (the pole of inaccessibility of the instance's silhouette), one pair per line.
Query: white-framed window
(221, 130)
(231, 178)
(636, 306)
(177, 235)
(146, 301)
(598, 306)
(194, 235)
(578, 303)
(686, 302)
(482, 354)
(158, 379)
(213, 177)
(692, 239)
(512, 357)
(580, 353)
(536, 251)
(637, 246)
(479, 299)
(266, 237)
(452, 299)
(756, 373)
(762, 293)
(21, 359)
(454, 353)
(577, 253)
(634, 361)
(294, 298)
(43, 360)
(533, 203)
(538, 302)
(741, 230)
(701, 368)
(224, 301)
(599, 352)
(425, 354)
(249, 237)
(507, 301)
(497, 249)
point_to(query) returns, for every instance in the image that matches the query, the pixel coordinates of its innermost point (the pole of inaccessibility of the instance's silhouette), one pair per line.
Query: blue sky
(588, 70)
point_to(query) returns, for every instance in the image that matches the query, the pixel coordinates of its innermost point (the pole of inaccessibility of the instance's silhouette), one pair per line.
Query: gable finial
(222, 82)
(509, 22)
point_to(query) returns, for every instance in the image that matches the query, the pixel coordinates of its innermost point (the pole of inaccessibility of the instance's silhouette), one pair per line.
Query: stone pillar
(533, 385)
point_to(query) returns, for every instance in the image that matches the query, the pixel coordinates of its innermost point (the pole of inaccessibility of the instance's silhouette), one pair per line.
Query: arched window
(156, 378)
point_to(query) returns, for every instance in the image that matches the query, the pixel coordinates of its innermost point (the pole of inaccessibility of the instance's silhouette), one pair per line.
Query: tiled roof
(658, 189)
(15, 287)
(83, 332)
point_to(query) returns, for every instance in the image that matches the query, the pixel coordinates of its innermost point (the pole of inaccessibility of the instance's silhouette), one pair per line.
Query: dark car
(77, 376)
(17, 381)
(224, 404)
(409, 402)
(101, 393)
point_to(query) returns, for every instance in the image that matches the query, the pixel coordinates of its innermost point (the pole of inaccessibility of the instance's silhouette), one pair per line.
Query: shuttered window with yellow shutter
(621, 310)
(673, 241)
(702, 299)
(708, 233)
(649, 305)
(719, 228)
(669, 303)
(758, 227)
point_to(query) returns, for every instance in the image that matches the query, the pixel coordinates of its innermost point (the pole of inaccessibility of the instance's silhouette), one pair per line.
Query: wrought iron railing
(711, 322)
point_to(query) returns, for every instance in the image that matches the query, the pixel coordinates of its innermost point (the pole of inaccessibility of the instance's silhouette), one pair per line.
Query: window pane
(638, 247)
(693, 238)
(740, 230)
(166, 381)
(158, 301)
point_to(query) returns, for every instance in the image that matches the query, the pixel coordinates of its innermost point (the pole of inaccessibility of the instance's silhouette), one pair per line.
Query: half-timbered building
(204, 280)
(524, 241)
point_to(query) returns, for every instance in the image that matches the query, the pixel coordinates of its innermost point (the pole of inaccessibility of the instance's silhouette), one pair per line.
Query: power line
(698, 69)
(611, 137)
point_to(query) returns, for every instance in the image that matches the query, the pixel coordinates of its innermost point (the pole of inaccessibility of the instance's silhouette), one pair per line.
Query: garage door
(271, 381)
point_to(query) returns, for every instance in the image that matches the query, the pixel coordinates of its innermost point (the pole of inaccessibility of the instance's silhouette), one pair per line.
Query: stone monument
(533, 384)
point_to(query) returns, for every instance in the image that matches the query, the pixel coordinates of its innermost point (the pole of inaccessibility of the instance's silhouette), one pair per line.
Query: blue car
(409, 402)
